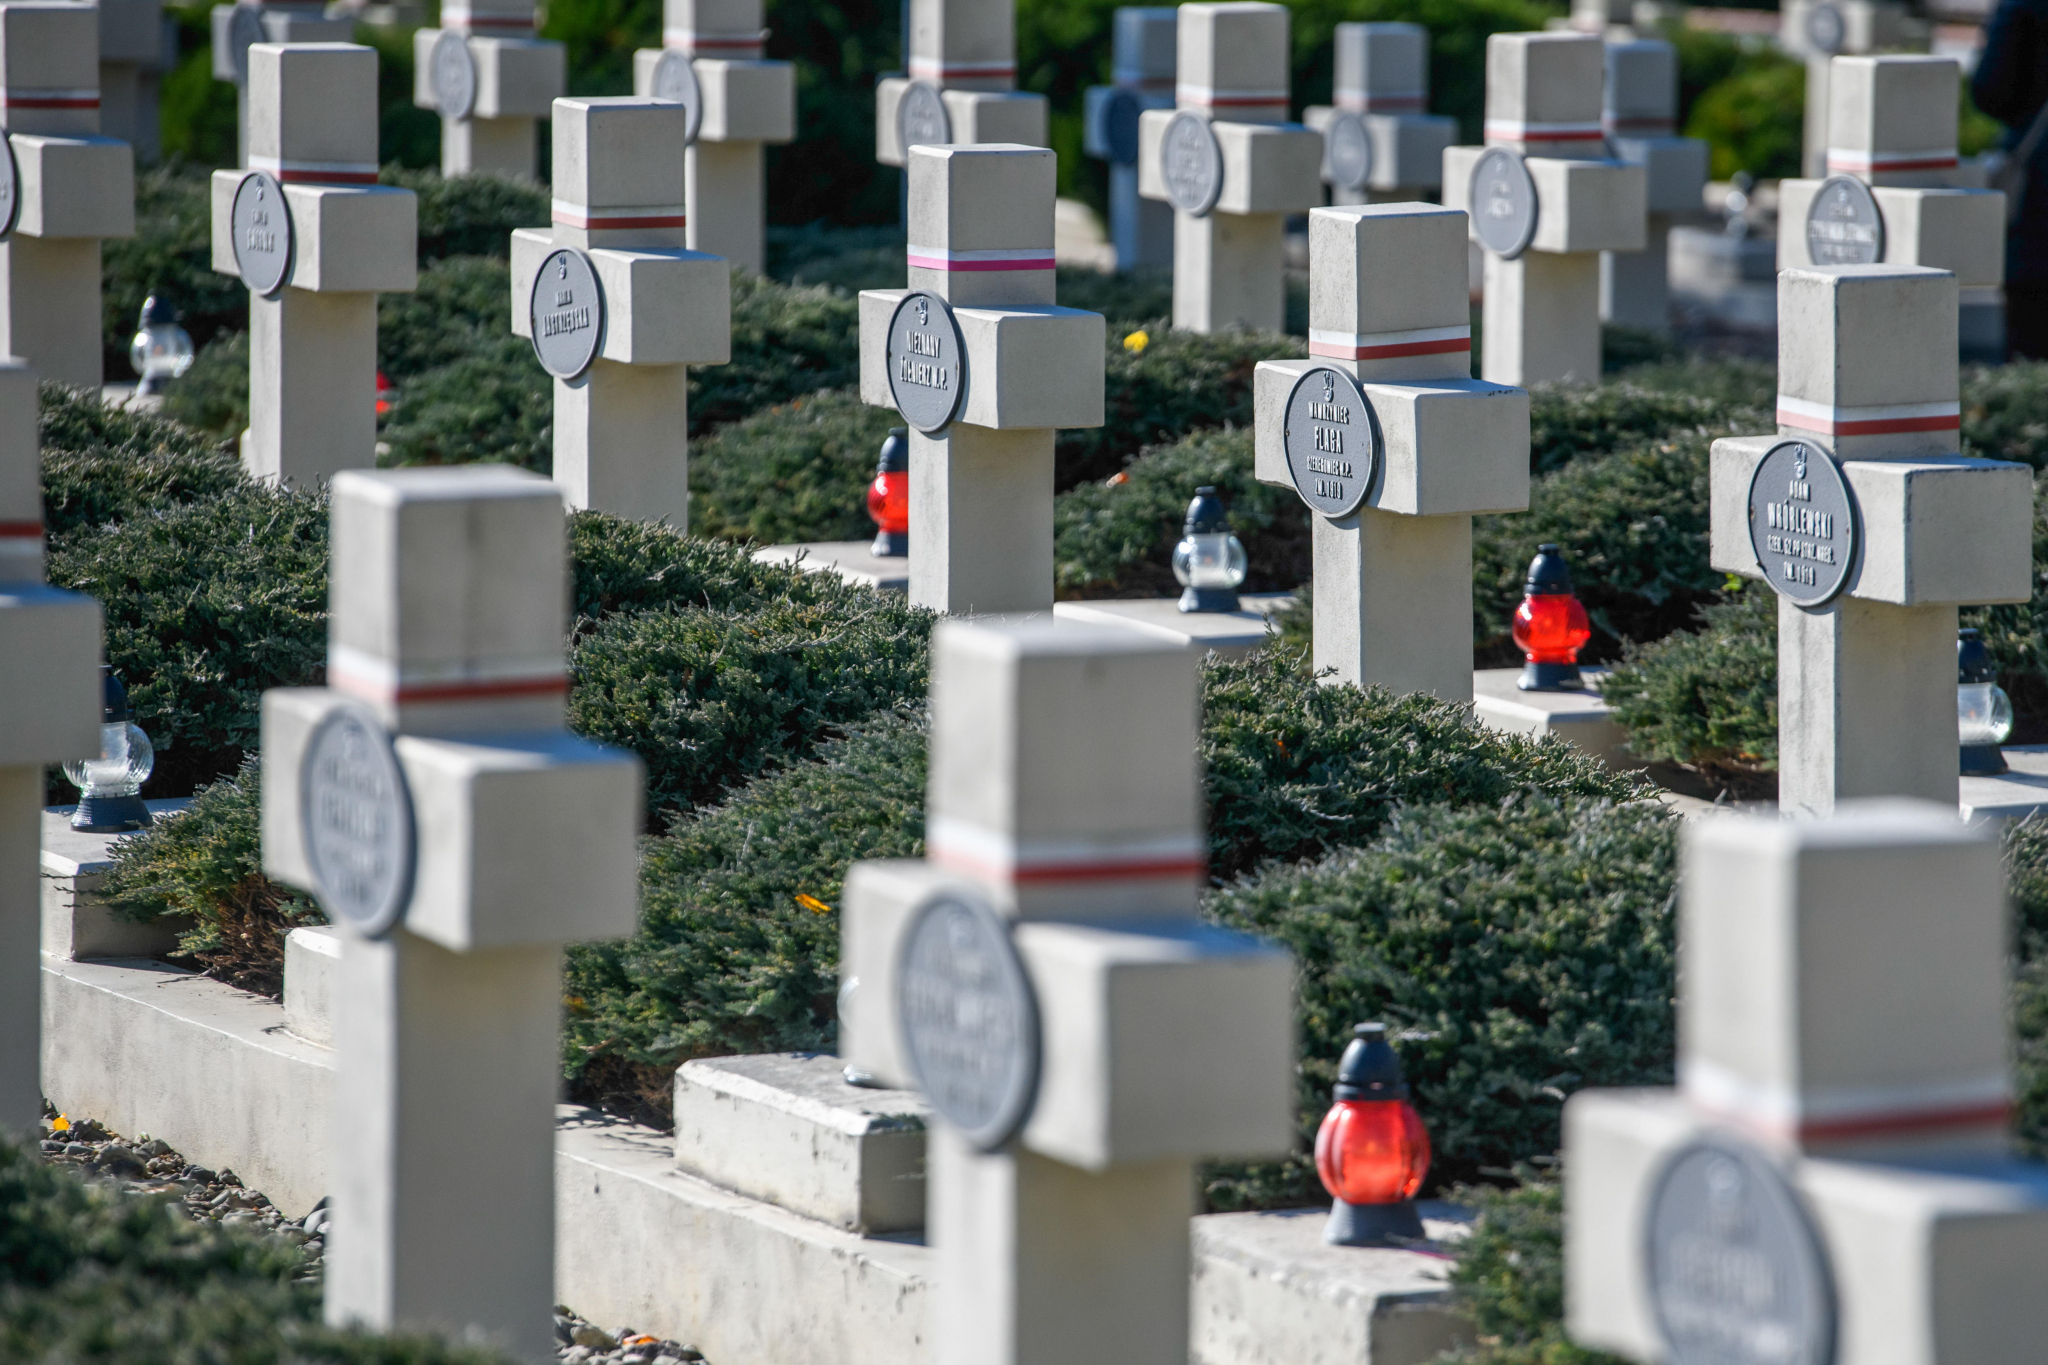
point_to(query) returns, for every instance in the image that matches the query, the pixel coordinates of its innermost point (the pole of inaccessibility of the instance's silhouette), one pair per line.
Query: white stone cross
(1640, 115)
(1832, 1178)
(621, 425)
(313, 338)
(135, 50)
(237, 27)
(1818, 31)
(744, 104)
(1382, 92)
(1544, 168)
(981, 484)
(50, 675)
(964, 55)
(1867, 676)
(1141, 73)
(73, 188)
(1043, 977)
(1392, 486)
(1234, 180)
(457, 833)
(1891, 127)
(491, 81)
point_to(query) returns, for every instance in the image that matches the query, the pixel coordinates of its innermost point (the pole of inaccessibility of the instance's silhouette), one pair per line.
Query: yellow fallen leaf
(62, 1125)
(1136, 342)
(813, 904)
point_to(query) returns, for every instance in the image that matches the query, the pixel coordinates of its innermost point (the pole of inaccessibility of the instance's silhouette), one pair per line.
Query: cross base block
(74, 186)
(1025, 367)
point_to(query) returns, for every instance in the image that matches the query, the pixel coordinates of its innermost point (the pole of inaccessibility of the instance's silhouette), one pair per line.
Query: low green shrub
(787, 341)
(1752, 118)
(1708, 698)
(1568, 423)
(213, 396)
(1508, 1276)
(469, 215)
(103, 464)
(461, 307)
(622, 565)
(493, 406)
(799, 472)
(1732, 380)
(171, 253)
(2005, 411)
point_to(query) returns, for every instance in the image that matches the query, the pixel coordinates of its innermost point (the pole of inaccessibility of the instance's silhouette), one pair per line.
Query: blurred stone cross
(491, 81)
(433, 800)
(618, 309)
(1381, 145)
(962, 85)
(315, 238)
(1231, 165)
(1392, 444)
(238, 27)
(1545, 202)
(1141, 72)
(985, 369)
(1640, 115)
(1043, 978)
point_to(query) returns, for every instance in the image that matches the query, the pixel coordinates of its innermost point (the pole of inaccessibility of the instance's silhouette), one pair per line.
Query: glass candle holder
(161, 350)
(110, 786)
(1209, 562)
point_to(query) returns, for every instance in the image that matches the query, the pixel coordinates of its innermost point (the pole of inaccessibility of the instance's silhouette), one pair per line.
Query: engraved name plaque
(10, 187)
(1844, 225)
(675, 80)
(969, 1019)
(1331, 440)
(926, 360)
(262, 226)
(566, 312)
(453, 74)
(1347, 152)
(1802, 523)
(1504, 206)
(355, 815)
(921, 118)
(1191, 164)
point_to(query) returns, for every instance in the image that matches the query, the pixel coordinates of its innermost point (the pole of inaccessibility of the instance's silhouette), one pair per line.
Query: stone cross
(1140, 229)
(711, 57)
(1821, 30)
(1871, 527)
(135, 50)
(618, 309)
(1381, 144)
(238, 26)
(308, 228)
(1832, 1179)
(1042, 976)
(1892, 192)
(50, 675)
(1231, 165)
(491, 81)
(1640, 115)
(962, 86)
(1545, 202)
(984, 368)
(433, 800)
(1392, 444)
(70, 189)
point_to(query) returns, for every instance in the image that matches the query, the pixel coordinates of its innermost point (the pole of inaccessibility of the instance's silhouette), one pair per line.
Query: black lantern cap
(1973, 658)
(895, 452)
(1370, 1070)
(113, 698)
(1206, 513)
(1548, 573)
(156, 312)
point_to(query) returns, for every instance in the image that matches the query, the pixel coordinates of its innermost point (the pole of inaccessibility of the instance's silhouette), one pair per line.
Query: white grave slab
(491, 80)
(1380, 142)
(1232, 634)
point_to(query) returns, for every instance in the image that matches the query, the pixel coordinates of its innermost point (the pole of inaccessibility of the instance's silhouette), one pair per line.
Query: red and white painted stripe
(1844, 161)
(610, 218)
(999, 857)
(377, 679)
(963, 262)
(1825, 1114)
(1522, 130)
(1132, 78)
(737, 46)
(13, 97)
(1388, 345)
(1385, 102)
(462, 18)
(932, 69)
(294, 172)
(1229, 97)
(20, 540)
(1888, 419)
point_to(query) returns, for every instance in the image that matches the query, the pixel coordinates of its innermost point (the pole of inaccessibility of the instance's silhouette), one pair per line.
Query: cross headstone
(1231, 165)
(1640, 115)
(1141, 70)
(239, 26)
(491, 81)
(1871, 528)
(1392, 444)
(49, 673)
(63, 189)
(984, 368)
(1381, 145)
(1042, 977)
(315, 238)
(1545, 202)
(137, 44)
(962, 86)
(1831, 1180)
(433, 800)
(710, 59)
(1892, 190)
(618, 308)
(1818, 31)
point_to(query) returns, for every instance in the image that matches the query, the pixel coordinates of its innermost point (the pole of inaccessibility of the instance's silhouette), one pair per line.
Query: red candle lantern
(1372, 1150)
(383, 395)
(889, 496)
(1550, 626)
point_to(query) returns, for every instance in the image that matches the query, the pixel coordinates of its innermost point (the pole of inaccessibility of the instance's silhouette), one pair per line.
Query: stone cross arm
(1266, 167)
(1025, 367)
(974, 117)
(346, 238)
(513, 77)
(662, 307)
(1582, 205)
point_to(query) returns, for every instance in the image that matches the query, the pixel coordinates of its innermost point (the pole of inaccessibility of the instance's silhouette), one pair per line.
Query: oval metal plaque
(675, 80)
(453, 73)
(10, 187)
(1120, 114)
(355, 815)
(1826, 29)
(1347, 152)
(1736, 1273)
(921, 118)
(262, 228)
(1802, 523)
(1504, 205)
(245, 28)
(566, 313)
(969, 1019)
(1191, 164)
(1844, 225)
(1331, 441)
(927, 362)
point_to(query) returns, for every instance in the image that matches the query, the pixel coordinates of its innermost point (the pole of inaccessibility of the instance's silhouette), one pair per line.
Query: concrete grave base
(852, 560)
(1580, 718)
(76, 922)
(1232, 634)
